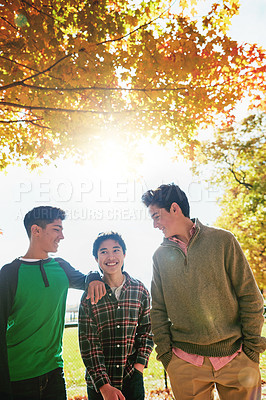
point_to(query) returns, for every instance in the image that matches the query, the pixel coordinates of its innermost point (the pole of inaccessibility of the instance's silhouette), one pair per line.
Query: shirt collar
(191, 233)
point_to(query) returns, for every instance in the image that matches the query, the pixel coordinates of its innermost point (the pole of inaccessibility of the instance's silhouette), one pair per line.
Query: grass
(153, 375)
(73, 365)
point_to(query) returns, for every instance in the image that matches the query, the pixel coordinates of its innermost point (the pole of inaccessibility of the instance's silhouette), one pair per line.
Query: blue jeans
(50, 386)
(133, 388)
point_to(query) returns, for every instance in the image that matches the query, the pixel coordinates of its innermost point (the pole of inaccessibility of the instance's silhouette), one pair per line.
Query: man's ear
(35, 230)
(175, 208)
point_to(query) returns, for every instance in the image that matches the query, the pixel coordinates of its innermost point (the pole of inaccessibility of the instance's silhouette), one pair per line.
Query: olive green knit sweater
(207, 302)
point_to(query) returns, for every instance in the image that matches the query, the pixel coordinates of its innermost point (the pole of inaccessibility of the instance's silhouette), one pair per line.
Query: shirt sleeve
(90, 346)
(77, 280)
(92, 276)
(8, 285)
(75, 277)
(250, 300)
(143, 340)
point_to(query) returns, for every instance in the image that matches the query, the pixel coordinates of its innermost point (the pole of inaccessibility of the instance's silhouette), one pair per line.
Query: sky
(101, 197)
(96, 200)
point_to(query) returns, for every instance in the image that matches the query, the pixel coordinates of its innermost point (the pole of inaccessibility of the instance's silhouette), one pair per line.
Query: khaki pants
(238, 380)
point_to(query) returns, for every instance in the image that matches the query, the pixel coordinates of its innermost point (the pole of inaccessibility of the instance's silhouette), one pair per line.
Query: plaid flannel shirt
(115, 334)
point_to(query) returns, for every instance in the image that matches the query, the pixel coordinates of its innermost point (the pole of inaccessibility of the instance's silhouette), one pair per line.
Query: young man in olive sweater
(207, 310)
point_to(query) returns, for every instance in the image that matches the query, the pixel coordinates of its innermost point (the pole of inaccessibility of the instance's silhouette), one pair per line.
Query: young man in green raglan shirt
(33, 291)
(207, 310)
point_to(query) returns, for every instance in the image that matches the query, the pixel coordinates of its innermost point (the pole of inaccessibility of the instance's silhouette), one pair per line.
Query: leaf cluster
(71, 71)
(238, 159)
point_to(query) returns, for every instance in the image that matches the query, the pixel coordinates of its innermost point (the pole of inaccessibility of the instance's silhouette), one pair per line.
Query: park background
(103, 191)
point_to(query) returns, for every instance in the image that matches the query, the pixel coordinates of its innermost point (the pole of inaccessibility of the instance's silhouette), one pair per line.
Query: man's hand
(96, 290)
(139, 367)
(111, 393)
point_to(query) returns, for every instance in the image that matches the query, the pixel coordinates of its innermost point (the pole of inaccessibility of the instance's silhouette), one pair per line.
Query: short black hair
(105, 236)
(42, 216)
(165, 195)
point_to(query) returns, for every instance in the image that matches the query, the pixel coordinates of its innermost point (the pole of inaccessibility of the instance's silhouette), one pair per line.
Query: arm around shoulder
(77, 280)
(96, 287)
(75, 277)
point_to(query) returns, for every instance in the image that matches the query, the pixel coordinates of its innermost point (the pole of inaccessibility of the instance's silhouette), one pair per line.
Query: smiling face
(50, 236)
(110, 257)
(164, 220)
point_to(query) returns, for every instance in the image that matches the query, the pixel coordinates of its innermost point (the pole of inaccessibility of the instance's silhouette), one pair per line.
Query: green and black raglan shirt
(32, 311)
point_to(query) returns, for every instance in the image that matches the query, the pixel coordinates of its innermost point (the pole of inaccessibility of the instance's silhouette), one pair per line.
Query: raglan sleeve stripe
(75, 277)
(8, 285)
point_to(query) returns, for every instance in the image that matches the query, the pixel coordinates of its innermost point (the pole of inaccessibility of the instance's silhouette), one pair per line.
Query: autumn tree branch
(39, 125)
(17, 63)
(3, 121)
(9, 23)
(241, 182)
(70, 110)
(19, 83)
(40, 11)
(80, 89)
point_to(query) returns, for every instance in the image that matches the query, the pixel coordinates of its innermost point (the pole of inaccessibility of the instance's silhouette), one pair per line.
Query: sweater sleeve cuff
(165, 359)
(253, 355)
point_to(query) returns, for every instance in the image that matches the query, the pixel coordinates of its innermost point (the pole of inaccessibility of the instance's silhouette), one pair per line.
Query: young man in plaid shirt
(115, 334)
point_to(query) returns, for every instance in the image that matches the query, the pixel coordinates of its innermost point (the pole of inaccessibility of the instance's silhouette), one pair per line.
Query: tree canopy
(74, 73)
(238, 158)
